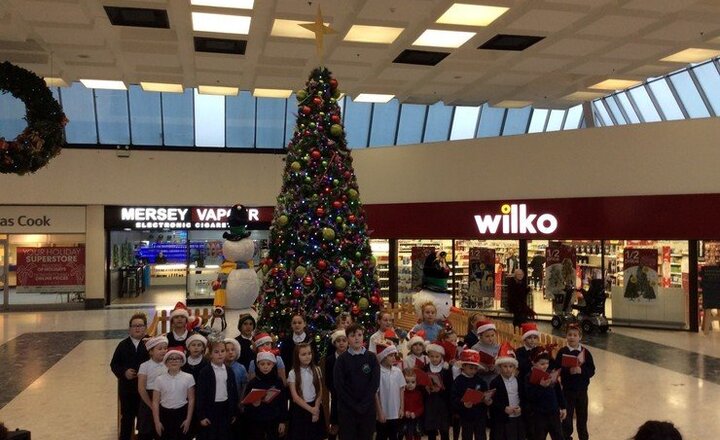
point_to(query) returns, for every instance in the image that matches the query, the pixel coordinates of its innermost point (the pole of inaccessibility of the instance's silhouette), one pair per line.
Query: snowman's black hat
(238, 222)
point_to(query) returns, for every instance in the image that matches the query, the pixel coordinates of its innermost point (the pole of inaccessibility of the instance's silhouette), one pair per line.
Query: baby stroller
(590, 310)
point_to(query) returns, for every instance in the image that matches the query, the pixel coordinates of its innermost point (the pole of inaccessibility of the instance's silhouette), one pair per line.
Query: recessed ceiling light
(373, 97)
(510, 103)
(55, 82)
(234, 4)
(218, 90)
(615, 84)
(103, 84)
(272, 93)
(692, 55)
(471, 15)
(438, 38)
(291, 29)
(161, 87)
(373, 34)
(583, 96)
(220, 23)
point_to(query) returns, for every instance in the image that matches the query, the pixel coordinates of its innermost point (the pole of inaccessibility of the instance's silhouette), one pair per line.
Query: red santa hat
(337, 334)
(265, 355)
(390, 334)
(417, 339)
(175, 351)
(529, 329)
(471, 357)
(180, 310)
(484, 325)
(435, 348)
(262, 338)
(154, 342)
(384, 351)
(506, 355)
(195, 337)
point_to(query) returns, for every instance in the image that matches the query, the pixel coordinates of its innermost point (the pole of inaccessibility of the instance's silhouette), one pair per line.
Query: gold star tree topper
(319, 29)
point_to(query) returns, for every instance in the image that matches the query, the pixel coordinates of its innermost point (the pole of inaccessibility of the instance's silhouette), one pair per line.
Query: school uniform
(247, 354)
(545, 404)
(391, 381)
(437, 404)
(146, 424)
(414, 403)
(301, 425)
(241, 380)
(194, 366)
(216, 401)
(287, 347)
(129, 354)
(470, 339)
(412, 361)
(173, 391)
(356, 379)
(575, 388)
(508, 392)
(280, 365)
(175, 340)
(473, 420)
(328, 378)
(493, 351)
(264, 420)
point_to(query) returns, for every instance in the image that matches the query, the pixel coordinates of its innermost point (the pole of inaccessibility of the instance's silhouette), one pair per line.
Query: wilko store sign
(50, 269)
(172, 217)
(515, 219)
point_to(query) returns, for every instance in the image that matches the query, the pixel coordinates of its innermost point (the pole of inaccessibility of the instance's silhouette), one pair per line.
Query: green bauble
(300, 271)
(352, 194)
(336, 130)
(308, 179)
(340, 283)
(301, 95)
(282, 220)
(295, 166)
(373, 261)
(363, 303)
(328, 234)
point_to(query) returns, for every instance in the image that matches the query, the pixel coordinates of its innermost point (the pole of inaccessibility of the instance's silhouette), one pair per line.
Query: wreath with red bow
(44, 136)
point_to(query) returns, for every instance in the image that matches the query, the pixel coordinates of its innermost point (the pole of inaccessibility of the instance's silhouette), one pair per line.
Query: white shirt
(391, 381)
(438, 368)
(298, 339)
(221, 378)
(306, 379)
(181, 337)
(135, 342)
(511, 385)
(194, 360)
(174, 389)
(374, 339)
(152, 370)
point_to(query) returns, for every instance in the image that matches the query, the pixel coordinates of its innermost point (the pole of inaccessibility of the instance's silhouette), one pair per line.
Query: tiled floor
(55, 379)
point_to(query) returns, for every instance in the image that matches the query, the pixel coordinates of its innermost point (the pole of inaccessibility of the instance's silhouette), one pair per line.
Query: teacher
(517, 292)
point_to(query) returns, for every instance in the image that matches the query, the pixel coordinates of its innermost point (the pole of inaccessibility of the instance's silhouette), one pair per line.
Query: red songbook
(423, 379)
(474, 396)
(537, 375)
(436, 380)
(570, 361)
(260, 395)
(486, 359)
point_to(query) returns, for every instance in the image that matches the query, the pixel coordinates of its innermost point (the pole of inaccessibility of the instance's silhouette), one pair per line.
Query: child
(268, 419)
(416, 357)
(413, 405)
(263, 342)
(384, 321)
(473, 416)
(509, 396)
(448, 340)
(429, 322)
(340, 344)
(148, 372)
(232, 354)
(389, 398)
(437, 402)
(246, 325)
(531, 339)
(196, 346)
(217, 396)
(304, 381)
(174, 399)
(488, 347)
(471, 338)
(545, 401)
(298, 336)
(357, 379)
(344, 319)
(179, 318)
(575, 382)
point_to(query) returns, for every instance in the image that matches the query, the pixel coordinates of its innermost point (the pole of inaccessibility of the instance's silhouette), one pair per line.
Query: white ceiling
(587, 41)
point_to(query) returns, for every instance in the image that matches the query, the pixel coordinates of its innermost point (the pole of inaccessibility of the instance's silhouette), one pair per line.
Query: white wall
(662, 158)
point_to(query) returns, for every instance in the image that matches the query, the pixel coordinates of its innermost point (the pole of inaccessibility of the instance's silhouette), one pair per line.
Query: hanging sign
(418, 254)
(640, 274)
(560, 264)
(481, 283)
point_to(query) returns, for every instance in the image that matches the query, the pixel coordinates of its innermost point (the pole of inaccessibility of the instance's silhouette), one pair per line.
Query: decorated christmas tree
(320, 263)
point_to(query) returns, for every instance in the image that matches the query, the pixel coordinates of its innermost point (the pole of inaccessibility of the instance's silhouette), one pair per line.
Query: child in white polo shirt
(390, 395)
(148, 372)
(174, 399)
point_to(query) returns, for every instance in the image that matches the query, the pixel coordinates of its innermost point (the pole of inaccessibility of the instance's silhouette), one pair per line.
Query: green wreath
(44, 136)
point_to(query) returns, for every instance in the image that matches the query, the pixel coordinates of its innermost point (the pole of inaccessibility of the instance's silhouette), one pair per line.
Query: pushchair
(590, 310)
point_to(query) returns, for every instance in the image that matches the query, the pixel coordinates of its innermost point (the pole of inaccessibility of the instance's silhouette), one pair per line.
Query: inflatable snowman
(435, 276)
(237, 286)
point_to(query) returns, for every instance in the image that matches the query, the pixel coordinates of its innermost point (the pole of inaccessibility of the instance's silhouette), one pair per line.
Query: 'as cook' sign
(42, 219)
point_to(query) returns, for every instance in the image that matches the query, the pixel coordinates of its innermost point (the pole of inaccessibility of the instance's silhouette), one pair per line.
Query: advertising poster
(560, 264)
(640, 272)
(481, 283)
(50, 269)
(710, 285)
(418, 254)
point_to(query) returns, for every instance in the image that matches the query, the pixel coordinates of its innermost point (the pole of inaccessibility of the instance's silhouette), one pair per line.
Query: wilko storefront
(42, 256)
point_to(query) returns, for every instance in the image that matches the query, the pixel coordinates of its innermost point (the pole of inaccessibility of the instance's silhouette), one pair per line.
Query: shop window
(209, 120)
(411, 257)
(516, 121)
(439, 118)
(270, 116)
(465, 122)
(357, 123)
(240, 120)
(78, 105)
(689, 95)
(178, 118)
(145, 123)
(412, 121)
(384, 123)
(381, 252)
(481, 268)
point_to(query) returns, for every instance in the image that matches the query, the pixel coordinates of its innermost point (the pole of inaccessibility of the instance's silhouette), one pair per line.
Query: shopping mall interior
(574, 140)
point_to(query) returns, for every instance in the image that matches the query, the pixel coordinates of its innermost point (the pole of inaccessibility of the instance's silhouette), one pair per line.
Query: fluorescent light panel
(511, 103)
(218, 90)
(583, 96)
(291, 29)
(439, 38)
(272, 93)
(615, 84)
(52, 81)
(234, 4)
(103, 84)
(220, 23)
(161, 87)
(692, 55)
(372, 34)
(471, 15)
(373, 97)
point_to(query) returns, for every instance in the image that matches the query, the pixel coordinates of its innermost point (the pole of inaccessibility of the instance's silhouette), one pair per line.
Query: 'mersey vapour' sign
(515, 219)
(180, 217)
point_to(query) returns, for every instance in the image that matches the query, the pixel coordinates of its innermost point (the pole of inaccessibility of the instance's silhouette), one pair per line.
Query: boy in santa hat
(178, 333)
(531, 339)
(506, 410)
(473, 416)
(488, 349)
(263, 341)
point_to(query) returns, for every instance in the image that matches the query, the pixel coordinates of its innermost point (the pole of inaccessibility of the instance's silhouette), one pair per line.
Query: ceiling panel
(616, 26)
(545, 20)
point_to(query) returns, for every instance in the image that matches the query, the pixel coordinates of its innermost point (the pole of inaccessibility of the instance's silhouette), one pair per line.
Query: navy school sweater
(274, 411)
(543, 400)
(461, 384)
(356, 378)
(576, 382)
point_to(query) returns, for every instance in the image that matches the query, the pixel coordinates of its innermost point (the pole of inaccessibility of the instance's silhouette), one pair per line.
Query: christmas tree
(320, 263)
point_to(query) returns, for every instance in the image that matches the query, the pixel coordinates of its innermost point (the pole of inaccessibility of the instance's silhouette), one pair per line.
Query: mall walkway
(55, 374)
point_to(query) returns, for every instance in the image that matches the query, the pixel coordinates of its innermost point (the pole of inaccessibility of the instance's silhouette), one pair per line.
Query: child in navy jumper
(357, 379)
(267, 420)
(217, 396)
(340, 343)
(298, 335)
(575, 381)
(246, 326)
(545, 401)
(437, 400)
(196, 346)
(509, 397)
(473, 416)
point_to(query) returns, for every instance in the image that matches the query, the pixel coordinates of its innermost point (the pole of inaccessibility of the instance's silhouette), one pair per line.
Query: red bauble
(327, 190)
(358, 273)
(335, 119)
(351, 218)
(347, 175)
(305, 110)
(317, 101)
(340, 296)
(273, 303)
(322, 264)
(273, 271)
(375, 300)
(333, 83)
(296, 293)
(269, 261)
(337, 204)
(320, 212)
(328, 283)
(355, 310)
(315, 154)
(307, 280)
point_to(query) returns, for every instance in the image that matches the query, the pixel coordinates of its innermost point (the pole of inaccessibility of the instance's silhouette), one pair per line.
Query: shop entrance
(4, 270)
